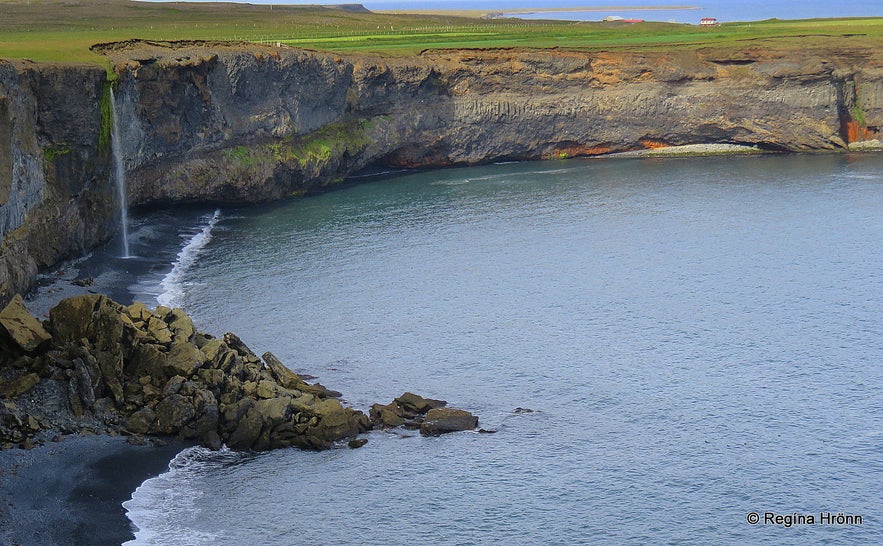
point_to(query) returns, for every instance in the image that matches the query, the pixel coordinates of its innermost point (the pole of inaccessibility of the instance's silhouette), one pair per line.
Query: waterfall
(119, 173)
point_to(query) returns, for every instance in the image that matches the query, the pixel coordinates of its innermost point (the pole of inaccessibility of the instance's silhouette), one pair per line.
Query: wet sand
(71, 492)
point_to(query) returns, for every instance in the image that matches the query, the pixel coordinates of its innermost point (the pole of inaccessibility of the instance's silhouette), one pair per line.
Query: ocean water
(698, 339)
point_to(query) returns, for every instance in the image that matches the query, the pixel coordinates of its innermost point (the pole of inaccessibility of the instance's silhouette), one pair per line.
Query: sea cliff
(220, 122)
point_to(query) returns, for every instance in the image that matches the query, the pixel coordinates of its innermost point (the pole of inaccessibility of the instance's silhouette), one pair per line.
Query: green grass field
(63, 30)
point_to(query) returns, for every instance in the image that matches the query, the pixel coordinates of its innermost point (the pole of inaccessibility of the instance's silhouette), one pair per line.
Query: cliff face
(214, 122)
(56, 198)
(253, 123)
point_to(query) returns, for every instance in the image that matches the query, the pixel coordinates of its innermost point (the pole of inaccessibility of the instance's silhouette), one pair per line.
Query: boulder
(181, 325)
(138, 312)
(417, 404)
(443, 420)
(213, 350)
(211, 440)
(83, 380)
(70, 319)
(159, 330)
(173, 385)
(140, 421)
(233, 413)
(335, 422)
(147, 360)
(184, 359)
(211, 378)
(208, 418)
(173, 413)
(21, 328)
(274, 410)
(387, 416)
(18, 386)
(247, 431)
(233, 341)
(319, 390)
(283, 375)
(268, 389)
(162, 312)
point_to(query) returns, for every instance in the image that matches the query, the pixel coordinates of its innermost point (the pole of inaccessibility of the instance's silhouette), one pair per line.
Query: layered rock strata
(246, 123)
(56, 196)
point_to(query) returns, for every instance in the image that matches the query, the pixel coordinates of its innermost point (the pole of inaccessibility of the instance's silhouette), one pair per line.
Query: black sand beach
(70, 492)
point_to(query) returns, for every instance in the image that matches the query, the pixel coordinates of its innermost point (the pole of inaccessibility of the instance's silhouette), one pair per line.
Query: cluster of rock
(415, 412)
(100, 366)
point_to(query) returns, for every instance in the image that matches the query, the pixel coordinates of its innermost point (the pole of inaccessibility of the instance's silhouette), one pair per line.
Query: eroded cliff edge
(247, 123)
(56, 197)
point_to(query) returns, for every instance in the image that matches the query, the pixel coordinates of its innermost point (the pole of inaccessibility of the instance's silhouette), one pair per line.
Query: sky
(723, 10)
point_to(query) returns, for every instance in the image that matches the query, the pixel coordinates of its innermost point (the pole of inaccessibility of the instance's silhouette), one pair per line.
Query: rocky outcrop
(408, 410)
(247, 123)
(100, 366)
(431, 417)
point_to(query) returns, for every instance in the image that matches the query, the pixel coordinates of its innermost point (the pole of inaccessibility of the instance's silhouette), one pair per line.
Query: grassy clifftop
(63, 30)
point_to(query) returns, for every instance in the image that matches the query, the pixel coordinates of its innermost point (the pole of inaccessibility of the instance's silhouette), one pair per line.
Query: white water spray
(116, 145)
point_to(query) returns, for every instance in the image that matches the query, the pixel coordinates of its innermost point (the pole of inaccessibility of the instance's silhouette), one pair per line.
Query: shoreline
(71, 491)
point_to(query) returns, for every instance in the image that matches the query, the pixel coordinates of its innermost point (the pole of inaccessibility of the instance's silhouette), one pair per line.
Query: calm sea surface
(698, 338)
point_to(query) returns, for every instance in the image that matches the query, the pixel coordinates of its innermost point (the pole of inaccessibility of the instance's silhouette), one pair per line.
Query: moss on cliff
(52, 152)
(318, 147)
(312, 151)
(858, 115)
(105, 107)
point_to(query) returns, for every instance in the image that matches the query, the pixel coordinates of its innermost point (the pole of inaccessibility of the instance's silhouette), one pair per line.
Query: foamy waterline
(161, 507)
(172, 285)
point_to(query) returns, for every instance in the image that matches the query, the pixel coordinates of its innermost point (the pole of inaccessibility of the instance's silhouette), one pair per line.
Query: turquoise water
(699, 339)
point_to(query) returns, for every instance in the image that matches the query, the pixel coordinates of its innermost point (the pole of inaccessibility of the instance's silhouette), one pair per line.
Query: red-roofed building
(708, 22)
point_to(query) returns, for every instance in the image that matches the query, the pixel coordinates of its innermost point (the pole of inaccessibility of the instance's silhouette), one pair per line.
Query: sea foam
(172, 285)
(161, 507)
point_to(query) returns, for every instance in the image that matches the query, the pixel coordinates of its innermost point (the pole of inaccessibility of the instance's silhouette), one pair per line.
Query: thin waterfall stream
(120, 174)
